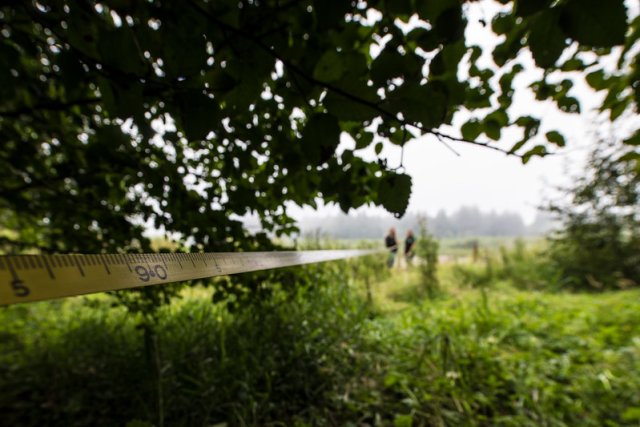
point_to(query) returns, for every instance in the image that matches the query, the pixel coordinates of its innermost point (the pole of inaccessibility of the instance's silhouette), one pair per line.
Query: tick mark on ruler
(80, 269)
(18, 286)
(104, 262)
(45, 261)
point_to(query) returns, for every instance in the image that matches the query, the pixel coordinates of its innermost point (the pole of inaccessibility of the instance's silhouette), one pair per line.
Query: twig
(297, 70)
(53, 105)
(441, 139)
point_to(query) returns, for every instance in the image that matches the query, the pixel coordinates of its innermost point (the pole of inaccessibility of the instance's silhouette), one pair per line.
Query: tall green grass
(324, 355)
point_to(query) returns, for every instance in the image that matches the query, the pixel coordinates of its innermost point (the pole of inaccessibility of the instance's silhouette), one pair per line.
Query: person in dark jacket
(391, 244)
(409, 243)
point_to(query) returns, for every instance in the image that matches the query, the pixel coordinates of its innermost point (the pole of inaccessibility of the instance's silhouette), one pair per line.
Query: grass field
(491, 356)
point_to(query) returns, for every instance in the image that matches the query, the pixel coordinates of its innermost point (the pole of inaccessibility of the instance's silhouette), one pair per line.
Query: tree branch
(52, 105)
(297, 70)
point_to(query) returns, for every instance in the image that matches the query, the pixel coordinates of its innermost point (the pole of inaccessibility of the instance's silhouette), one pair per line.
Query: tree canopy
(187, 115)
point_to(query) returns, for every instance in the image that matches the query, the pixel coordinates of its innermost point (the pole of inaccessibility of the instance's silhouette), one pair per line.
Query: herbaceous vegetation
(326, 356)
(117, 117)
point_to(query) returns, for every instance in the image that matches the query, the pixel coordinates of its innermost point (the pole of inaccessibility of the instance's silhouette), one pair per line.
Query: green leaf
(538, 150)
(390, 63)
(510, 47)
(518, 145)
(569, 104)
(122, 100)
(378, 148)
(525, 8)
(530, 124)
(618, 108)
(630, 156)
(573, 64)
(426, 104)
(118, 48)
(350, 109)
(363, 139)
(329, 68)
(430, 10)
(503, 23)
(219, 80)
(199, 114)
(633, 140)
(546, 40)
(556, 138)
(478, 97)
(320, 138)
(447, 60)
(394, 192)
(330, 13)
(471, 130)
(451, 24)
(445, 16)
(492, 129)
(387, 65)
(499, 116)
(631, 414)
(401, 420)
(399, 7)
(178, 60)
(427, 40)
(355, 64)
(595, 23)
(597, 80)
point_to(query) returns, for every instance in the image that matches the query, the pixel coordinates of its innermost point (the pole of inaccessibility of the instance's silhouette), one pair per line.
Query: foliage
(598, 245)
(426, 248)
(520, 266)
(91, 366)
(529, 268)
(108, 122)
(511, 358)
(476, 275)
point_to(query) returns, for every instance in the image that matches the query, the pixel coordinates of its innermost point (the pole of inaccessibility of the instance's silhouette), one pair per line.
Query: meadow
(357, 346)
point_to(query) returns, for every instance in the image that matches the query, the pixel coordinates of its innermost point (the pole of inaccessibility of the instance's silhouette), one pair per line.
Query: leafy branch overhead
(186, 115)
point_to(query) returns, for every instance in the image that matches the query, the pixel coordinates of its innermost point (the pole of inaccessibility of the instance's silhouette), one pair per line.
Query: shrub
(427, 251)
(598, 246)
(522, 267)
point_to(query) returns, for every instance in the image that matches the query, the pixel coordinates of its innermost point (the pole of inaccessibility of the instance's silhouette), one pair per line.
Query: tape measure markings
(25, 278)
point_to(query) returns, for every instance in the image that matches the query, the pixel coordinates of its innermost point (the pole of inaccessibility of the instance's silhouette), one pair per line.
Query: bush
(522, 267)
(598, 246)
(87, 364)
(476, 275)
(427, 252)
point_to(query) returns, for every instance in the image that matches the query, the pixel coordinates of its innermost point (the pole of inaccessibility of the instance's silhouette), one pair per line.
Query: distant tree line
(466, 221)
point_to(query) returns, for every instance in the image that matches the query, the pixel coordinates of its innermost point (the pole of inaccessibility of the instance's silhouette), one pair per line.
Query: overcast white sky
(482, 177)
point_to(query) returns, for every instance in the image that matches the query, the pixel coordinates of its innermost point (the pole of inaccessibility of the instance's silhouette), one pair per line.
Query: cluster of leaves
(568, 39)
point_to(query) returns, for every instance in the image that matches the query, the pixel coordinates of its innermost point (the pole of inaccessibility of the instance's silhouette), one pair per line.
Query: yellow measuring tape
(25, 278)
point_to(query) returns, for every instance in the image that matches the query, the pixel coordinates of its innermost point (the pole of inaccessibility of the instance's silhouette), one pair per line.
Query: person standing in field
(409, 243)
(391, 244)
